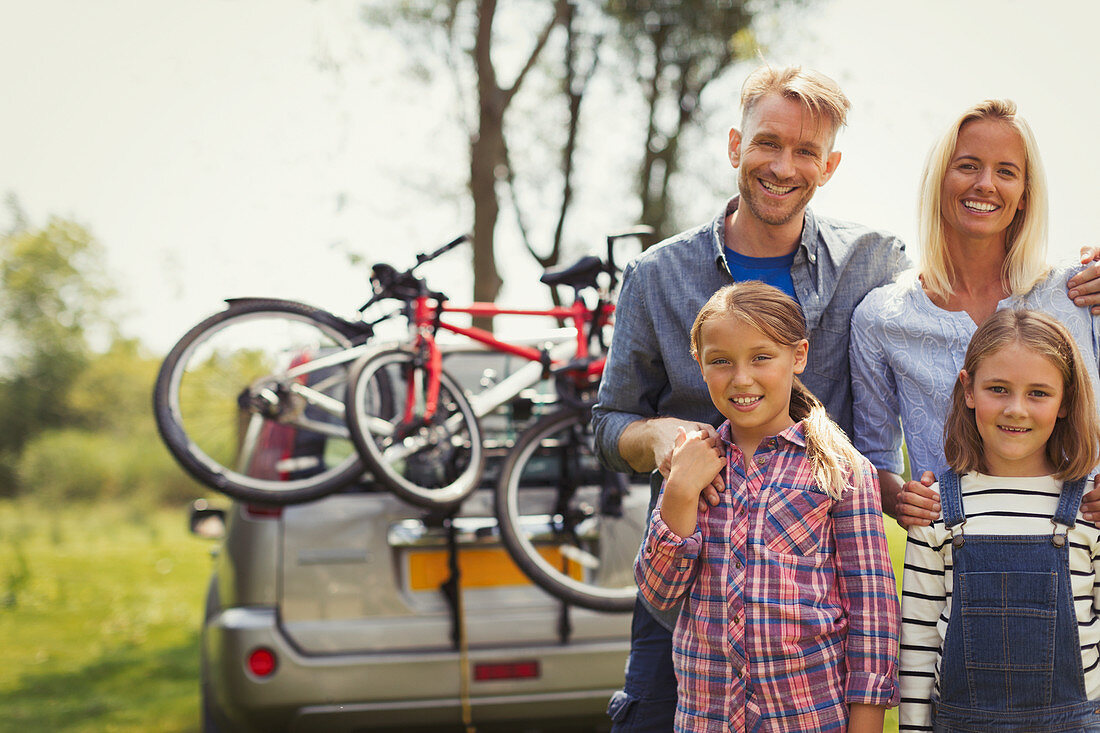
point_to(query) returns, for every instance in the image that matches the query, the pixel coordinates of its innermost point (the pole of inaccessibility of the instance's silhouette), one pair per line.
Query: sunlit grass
(100, 608)
(895, 536)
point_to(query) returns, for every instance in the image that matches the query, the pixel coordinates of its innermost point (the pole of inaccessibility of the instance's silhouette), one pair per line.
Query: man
(651, 386)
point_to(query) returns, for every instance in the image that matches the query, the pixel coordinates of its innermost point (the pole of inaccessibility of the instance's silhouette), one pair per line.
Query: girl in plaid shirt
(790, 617)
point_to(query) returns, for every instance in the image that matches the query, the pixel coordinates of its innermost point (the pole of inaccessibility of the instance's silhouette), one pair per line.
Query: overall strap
(951, 498)
(1070, 502)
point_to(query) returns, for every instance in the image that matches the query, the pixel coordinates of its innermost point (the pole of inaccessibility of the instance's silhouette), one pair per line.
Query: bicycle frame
(427, 320)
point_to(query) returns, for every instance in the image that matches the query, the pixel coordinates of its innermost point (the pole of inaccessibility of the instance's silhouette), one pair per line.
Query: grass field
(100, 609)
(99, 618)
(896, 537)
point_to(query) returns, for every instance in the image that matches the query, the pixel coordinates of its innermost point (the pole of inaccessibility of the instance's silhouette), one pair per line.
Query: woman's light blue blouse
(906, 354)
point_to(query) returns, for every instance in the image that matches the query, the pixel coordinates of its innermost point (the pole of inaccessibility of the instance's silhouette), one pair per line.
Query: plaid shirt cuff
(663, 541)
(873, 689)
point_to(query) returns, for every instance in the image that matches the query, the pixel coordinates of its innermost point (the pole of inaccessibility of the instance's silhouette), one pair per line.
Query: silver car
(344, 614)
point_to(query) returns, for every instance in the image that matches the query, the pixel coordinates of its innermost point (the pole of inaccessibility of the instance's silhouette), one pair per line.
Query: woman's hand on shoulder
(1090, 502)
(1084, 287)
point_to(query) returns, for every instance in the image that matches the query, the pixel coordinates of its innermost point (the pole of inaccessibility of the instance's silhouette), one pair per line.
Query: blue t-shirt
(774, 271)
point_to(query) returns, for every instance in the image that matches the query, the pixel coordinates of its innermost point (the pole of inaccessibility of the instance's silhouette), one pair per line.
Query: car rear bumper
(376, 690)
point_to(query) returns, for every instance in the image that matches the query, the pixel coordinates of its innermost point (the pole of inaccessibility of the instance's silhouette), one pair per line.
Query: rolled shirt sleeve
(667, 564)
(869, 594)
(633, 371)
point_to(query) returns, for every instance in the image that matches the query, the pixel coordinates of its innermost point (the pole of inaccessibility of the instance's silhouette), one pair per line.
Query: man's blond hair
(813, 90)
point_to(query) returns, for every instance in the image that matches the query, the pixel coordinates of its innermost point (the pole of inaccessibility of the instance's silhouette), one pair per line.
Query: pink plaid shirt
(791, 610)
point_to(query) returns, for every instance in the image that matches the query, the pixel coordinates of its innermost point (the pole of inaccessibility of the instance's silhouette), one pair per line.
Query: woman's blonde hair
(835, 463)
(1074, 445)
(1026, 237)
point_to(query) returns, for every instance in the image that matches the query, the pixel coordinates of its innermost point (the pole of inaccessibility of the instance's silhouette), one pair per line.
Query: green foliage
(112, 393)
(75, 423)
(53, 293)
(110, 449)
(103, 632)
(68, 465)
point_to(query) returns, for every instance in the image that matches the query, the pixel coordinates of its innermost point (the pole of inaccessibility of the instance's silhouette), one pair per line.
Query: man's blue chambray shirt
(650, 372)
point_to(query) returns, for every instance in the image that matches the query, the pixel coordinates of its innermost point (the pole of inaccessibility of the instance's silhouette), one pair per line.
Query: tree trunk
(486, 158)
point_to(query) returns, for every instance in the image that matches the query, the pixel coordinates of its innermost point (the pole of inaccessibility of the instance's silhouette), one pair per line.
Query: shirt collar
(794, 435)
(810, 242)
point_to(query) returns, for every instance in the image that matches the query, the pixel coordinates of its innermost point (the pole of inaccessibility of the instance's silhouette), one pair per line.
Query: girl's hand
(697, 460)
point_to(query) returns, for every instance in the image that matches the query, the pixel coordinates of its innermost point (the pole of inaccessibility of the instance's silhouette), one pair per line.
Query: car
(343, 614)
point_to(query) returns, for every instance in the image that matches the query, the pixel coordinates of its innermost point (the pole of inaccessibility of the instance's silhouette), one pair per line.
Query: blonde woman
(983, 229)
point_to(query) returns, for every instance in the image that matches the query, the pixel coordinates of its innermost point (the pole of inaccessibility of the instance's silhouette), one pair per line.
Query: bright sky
(205, 142)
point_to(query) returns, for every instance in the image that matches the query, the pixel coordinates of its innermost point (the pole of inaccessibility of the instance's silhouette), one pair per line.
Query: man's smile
(776, 189)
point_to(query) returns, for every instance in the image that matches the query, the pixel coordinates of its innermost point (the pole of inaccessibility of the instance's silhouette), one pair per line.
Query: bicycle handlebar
(642, 230)
(422, 258)
(388, 282)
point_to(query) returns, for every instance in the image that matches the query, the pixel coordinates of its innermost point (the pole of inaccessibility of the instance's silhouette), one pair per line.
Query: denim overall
(1011, 657)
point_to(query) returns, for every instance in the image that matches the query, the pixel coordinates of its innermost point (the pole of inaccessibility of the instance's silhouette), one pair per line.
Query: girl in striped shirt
(790, 616)
(999, 601)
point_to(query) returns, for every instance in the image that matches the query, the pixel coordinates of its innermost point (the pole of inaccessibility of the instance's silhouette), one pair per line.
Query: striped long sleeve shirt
(791, 612)
(998, 506)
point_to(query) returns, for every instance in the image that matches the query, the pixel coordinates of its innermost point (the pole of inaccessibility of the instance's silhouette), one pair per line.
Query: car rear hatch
(375, 579)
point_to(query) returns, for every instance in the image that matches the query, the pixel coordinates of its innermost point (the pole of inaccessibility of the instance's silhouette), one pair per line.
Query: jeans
(647, 702)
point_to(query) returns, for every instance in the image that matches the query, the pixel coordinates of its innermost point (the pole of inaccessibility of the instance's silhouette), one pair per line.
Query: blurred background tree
(667, 53)
(677, 48)
(52, 292)
(75, 420)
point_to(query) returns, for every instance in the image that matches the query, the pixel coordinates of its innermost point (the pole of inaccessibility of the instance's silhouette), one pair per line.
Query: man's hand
(1084, 287)
(1090, 502)
(914, 503)
(647, 445)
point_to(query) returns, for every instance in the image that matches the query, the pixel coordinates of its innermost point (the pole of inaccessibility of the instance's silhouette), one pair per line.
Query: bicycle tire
(556, 512)
(434, 465)
(212, 413)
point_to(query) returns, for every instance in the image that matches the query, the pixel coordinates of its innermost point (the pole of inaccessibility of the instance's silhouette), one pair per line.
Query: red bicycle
(416, 429)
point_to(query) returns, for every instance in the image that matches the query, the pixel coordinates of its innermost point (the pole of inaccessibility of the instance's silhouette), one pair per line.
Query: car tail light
(262, 662)
(262, 511)
(487, 671)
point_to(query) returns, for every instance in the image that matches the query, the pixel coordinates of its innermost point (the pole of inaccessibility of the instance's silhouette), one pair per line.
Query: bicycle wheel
(430, 463)
(573, 526)
(251, 401)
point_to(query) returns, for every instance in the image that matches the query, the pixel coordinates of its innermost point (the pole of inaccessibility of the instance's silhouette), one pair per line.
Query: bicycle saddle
(580, 274)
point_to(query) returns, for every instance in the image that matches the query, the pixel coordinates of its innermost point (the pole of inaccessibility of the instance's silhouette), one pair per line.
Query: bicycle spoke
(566, 524)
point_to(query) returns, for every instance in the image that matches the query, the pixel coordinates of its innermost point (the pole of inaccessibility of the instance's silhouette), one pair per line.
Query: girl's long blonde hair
(1074, 446)
(835, 463)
